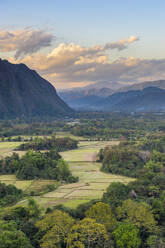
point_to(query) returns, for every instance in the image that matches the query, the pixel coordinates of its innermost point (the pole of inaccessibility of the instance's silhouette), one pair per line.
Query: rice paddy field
(92, 182)
(7, 148)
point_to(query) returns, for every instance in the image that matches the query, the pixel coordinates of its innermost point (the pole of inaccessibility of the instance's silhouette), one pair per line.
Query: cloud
(69, 71)
(24, 41)
(121, 44)
(71, 64)
(68, 57)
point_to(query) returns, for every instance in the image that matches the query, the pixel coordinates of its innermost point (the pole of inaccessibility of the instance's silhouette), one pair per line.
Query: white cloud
(121, 44)
(71, 64)
(24, 41)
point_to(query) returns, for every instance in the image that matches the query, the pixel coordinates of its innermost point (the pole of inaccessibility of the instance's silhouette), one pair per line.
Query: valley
(91, 185)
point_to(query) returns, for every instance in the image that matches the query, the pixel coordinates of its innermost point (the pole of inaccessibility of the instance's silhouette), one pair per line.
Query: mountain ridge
(88, 99)
(150, 99)
(139, 86)
(24, 92)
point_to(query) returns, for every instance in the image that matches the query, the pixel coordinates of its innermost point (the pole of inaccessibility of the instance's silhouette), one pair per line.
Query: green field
(92, 182)
(26, 185)
(7, 148)
(69, 135)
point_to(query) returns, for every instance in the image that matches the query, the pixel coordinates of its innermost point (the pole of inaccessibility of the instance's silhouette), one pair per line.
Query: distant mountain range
(81, 96)
(140, 86)
(144, 97)
(24, 92)
(150, 99)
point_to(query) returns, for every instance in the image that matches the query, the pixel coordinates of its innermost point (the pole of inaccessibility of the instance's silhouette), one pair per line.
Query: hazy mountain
(97, 98)
(77, 97)
(150, 99)
(104, 84)
(24, 92)
(97, 86)
(140, 86)
(84, 97)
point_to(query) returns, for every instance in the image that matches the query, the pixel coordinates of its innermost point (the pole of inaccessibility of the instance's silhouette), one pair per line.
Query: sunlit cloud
(69, 65)
(24, 41)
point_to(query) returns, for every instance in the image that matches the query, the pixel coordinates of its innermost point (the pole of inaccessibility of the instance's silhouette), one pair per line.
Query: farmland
(92, 182)
(7, 148)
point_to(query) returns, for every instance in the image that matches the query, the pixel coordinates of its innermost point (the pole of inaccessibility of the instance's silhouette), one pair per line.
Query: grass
(87, 151)
(7, 148)
(69, 135)
(92, 182)
(11, 179)
(37, 186)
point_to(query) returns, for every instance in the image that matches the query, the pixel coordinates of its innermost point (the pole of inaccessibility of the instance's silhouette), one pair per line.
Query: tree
(88, 233)
(126, 236)
(102, 213)
(123, 160)
(155, 242)
(116, 193)
(11, 237)
(139, 214)
(34, 209)
(54, 229)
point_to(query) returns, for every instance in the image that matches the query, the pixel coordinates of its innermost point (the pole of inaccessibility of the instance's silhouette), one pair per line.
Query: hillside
(24, 92)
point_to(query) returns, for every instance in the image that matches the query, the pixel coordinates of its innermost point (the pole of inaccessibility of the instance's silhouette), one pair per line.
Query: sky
(73, 43)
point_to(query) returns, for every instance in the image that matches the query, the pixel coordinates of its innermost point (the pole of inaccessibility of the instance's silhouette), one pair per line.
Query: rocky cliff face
(24, 92)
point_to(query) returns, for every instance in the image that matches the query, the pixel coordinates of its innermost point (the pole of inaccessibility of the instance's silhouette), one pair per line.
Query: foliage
(128, 215)
(152, 143)
(55, 228)
(32, 165)
(60, 144)
(115, 194)
(11, 237)
(9, 194)
(87, 233)
(123, 161)
(155, 242)
(140, 214)
(126, 236)
(102, 213)
(33, 209)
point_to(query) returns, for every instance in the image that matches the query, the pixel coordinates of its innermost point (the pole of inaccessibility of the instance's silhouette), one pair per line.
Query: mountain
(111, 99)
(24, 92)
(104, 84)
(77, 97)
(140, 86)
(150, 99)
